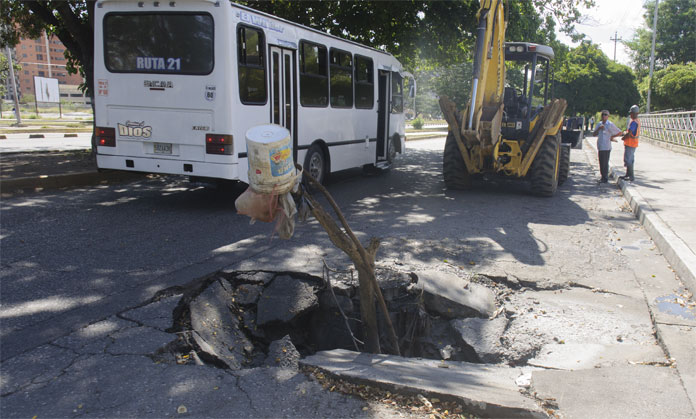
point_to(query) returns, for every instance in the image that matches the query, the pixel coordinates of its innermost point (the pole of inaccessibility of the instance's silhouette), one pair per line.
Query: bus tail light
(106, 137)
(219, 144)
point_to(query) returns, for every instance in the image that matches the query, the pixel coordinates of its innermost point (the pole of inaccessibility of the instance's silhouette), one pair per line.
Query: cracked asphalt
(81, 333)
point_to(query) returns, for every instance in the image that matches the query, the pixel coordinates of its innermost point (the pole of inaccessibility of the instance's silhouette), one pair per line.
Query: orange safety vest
(632, 141)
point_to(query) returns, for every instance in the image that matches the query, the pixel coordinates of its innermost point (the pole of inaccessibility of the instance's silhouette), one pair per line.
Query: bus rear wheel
(315, 163)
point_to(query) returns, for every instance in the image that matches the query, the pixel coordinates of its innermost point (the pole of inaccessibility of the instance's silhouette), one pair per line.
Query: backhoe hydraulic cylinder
(478, 61)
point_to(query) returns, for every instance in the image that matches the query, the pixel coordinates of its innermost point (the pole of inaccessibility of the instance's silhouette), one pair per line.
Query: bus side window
(314, 80)
(251, 66)
(364, 83)
(341, 69)
(397, 99)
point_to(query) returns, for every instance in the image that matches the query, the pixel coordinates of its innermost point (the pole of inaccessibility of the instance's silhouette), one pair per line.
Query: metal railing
(670, 127)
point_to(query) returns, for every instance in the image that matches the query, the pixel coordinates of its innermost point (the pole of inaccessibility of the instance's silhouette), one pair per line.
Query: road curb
(425, 137)
(673, 248)
(11, 186)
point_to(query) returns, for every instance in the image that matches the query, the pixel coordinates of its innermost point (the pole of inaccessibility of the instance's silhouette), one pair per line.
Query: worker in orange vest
(630, 140)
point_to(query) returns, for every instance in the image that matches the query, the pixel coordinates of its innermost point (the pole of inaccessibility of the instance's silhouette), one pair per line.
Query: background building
(44, 57)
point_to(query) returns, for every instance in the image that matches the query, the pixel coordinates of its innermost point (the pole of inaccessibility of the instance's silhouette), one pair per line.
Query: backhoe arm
(477, 129)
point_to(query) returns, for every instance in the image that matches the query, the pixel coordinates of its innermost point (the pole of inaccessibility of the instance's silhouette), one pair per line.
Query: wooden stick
(364, 262)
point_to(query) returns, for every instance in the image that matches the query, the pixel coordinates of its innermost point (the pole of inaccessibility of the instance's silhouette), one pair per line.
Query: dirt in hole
(246, 319)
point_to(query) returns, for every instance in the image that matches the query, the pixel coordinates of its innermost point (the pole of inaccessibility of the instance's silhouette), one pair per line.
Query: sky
(608, 17)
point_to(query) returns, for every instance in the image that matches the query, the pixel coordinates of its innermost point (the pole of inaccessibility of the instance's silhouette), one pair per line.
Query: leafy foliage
(589, 81)
(421, 34)
(675, 42)
(674, 87)
(441, 30)
(71, 21)
(5, 72)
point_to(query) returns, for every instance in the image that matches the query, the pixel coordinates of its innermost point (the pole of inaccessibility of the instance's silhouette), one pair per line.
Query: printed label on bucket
(281, 160)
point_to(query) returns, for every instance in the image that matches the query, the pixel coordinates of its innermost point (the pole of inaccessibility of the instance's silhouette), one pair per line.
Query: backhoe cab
(527, 87)
(510, 126)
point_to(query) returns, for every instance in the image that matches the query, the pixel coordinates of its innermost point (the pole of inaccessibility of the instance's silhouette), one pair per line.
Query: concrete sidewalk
(663, 199)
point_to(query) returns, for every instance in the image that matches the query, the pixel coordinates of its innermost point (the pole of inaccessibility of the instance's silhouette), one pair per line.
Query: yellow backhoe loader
(509, 126)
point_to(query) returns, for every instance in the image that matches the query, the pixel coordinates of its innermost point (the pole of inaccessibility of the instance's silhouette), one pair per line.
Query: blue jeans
(629, 156)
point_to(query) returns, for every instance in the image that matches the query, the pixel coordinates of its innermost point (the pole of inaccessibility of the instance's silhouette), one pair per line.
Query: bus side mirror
(412, 92)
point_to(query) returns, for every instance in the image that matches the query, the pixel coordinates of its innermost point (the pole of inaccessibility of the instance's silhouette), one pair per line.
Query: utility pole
(14, 84)
(652, 56)
(48, 54)
(615, 38)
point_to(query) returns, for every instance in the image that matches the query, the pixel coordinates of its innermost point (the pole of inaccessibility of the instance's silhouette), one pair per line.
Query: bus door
(383, 114)
(283, 92)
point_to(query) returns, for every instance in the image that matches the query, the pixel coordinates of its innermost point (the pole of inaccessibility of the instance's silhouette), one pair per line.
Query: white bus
(178, 83)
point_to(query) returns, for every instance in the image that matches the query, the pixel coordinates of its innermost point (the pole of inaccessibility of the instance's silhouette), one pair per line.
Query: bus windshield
(162, 43)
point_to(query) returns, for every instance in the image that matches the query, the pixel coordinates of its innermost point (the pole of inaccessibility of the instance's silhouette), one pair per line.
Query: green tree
(71, 21)
(674, 87)
(590, 81)
(439, 31)
(5, 72)
(675, 42)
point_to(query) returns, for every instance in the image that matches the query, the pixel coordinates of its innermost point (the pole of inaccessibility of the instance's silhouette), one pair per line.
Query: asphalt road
(67, 254)
(74, 257)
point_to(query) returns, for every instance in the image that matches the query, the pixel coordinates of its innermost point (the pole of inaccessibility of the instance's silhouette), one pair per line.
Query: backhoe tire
(544, 172)
(453, 167)
(564, 165)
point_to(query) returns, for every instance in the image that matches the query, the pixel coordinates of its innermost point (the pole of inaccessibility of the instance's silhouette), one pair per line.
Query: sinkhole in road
(247, 319)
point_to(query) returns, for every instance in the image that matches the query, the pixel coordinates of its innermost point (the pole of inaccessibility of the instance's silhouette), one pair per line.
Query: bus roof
(249, 9)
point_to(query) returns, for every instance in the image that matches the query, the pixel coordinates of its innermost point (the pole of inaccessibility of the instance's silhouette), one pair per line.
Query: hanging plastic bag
(257, 206)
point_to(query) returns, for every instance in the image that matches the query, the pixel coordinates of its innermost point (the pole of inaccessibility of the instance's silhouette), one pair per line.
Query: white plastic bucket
(271, 168)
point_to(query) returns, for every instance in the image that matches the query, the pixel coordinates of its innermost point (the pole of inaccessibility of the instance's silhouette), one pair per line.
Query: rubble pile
(244, 319)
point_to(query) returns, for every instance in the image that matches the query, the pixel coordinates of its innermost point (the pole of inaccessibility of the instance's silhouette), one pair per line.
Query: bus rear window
(179, 43)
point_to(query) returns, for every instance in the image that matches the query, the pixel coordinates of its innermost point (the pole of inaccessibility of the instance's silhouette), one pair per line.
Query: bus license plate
(162, 148)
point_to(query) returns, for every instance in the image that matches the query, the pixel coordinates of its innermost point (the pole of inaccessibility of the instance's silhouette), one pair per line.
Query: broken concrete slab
(578, 356)
(285, 299)
(247, 294)
(255, 277)
(483, 335)
(454, 297)
(635, 391)
(680, 342)
(327, 302)
(484, 389)
(579, 316)
(217, 328)
(282, 353)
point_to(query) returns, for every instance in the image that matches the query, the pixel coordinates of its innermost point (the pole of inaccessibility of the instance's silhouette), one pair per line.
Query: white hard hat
(634, 109)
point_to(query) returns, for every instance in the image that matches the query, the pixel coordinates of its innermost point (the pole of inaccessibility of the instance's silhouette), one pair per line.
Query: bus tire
(391, 155)
(315, 163)
(543, 174)
(454, 168)
(564, 164)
